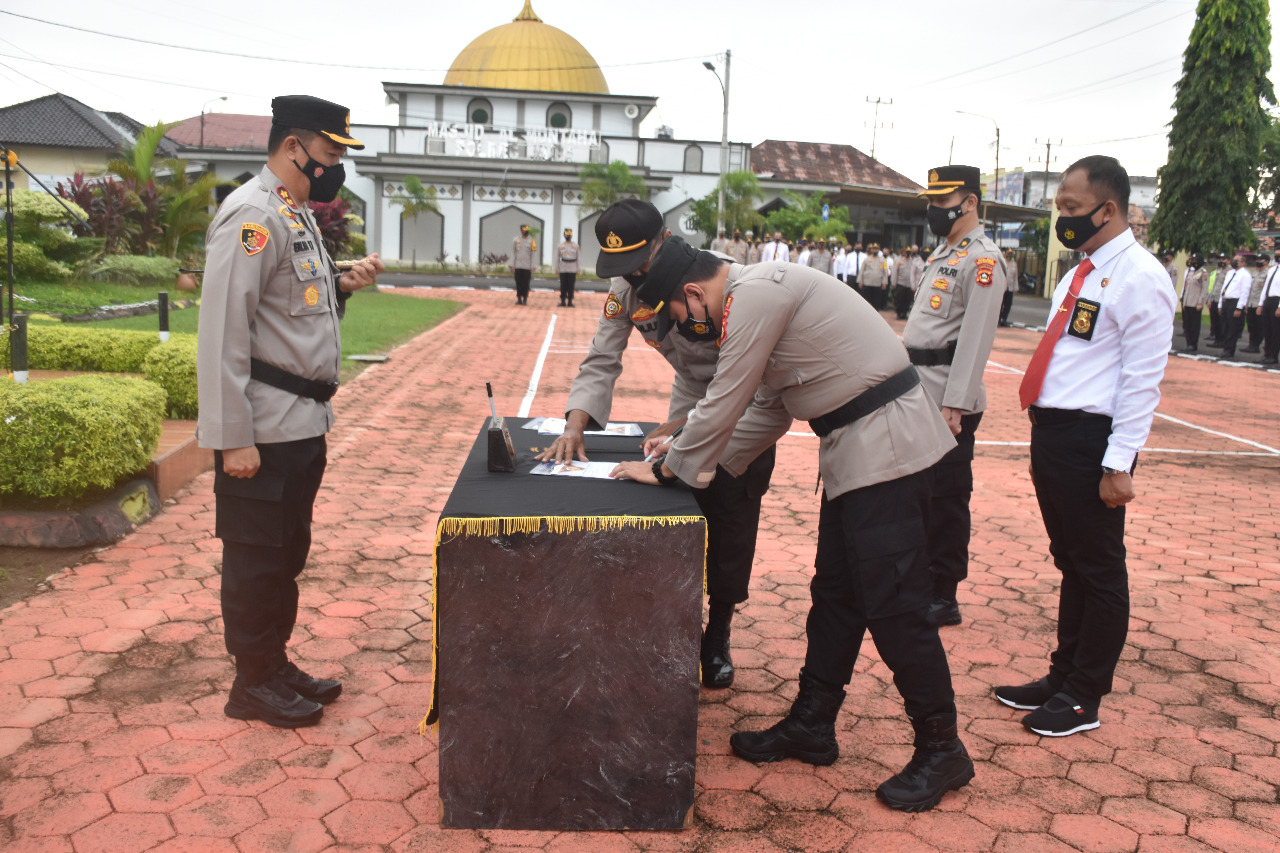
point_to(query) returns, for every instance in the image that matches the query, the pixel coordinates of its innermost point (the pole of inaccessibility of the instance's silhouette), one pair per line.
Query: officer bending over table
(630, 232)
(817, 351)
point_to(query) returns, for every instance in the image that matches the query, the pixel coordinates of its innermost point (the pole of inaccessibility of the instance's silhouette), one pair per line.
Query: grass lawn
(375, 323)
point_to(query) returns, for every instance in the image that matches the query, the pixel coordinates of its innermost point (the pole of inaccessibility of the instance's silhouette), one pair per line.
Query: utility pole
(724, 133)
(1048, 147)
(875, 121)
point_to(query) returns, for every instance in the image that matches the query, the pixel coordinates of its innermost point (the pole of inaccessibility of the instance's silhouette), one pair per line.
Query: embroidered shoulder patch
(724, 322)
(643, 314)
(612, 307)
(253, 238)
(285, 197)
(986, 266)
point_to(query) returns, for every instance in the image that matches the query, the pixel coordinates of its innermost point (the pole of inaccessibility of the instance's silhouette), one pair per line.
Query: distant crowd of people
(1242, 293)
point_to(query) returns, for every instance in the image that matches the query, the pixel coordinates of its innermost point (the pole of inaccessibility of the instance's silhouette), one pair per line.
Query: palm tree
(741, 192)
(186, 214)
(605, 185)
(417, 198)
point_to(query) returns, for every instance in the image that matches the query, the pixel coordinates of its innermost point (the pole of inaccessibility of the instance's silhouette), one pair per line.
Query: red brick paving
(112, 736)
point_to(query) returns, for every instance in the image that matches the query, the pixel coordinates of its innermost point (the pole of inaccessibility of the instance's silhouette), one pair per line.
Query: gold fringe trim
(449, 528)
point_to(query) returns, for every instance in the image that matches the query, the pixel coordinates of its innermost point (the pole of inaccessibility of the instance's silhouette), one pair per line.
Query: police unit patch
(643, 314)
(285, 197)
(935, 301)
(1084, 319)
(309, 268)
(612, 308)
(942, 284)
(311, 296)
(724, 322)
(253, 238)
(959, 256)
(986, 266)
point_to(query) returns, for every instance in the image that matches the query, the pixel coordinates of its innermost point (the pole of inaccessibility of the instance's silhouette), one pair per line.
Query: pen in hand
(670, 439)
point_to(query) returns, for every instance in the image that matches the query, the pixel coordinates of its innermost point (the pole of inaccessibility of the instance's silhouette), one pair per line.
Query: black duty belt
(1056, 417)
(291, 382)
(933, 357)
(867, 402)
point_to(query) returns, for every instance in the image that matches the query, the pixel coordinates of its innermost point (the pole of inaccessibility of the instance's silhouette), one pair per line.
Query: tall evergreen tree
(1217, 132)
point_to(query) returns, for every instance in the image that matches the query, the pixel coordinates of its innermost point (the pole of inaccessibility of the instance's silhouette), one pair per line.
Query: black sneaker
(1028, 697)
(273, 702)
(1061, 716)
(322, 690)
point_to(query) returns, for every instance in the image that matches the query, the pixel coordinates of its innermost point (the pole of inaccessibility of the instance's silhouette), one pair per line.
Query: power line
(296, 61)
(129, 76)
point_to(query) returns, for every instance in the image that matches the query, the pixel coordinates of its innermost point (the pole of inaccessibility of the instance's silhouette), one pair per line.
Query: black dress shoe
(1251, 349)
(943, 611)
(1268, 361)
(273, 702)
(717, 664)
(322, 690)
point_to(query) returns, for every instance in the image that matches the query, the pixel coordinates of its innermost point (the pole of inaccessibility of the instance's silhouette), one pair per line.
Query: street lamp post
(724, 133)
(202, 109)
(996, 191)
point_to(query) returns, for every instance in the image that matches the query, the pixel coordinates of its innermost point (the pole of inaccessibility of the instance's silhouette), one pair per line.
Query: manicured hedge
(63, 437)
(135, 269)
(172, 366)
(73, 347)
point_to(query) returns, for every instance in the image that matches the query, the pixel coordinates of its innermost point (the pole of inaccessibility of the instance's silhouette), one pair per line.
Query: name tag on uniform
(1084, 319)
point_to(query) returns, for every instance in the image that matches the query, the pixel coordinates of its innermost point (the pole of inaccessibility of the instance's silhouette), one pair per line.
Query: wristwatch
(1107, 471)
(663, 480)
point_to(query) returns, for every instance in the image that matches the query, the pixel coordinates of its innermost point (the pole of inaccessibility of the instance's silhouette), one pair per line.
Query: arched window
(480, 111)
(693, 158)
(559, 116)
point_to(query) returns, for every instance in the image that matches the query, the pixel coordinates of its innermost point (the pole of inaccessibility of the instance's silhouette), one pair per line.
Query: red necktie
(1033, 379)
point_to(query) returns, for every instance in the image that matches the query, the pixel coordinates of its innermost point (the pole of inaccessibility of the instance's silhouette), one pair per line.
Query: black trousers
(264, 523)
(522, 284)
(1216, 332)
(872, 574)
(1086, 540)
(731, 506)
(1006, 305)
(567, 282)
(1253, 322)
(949, 518)
(902, 301)
(1232, 325)
(1191, 325)
(1271, 328)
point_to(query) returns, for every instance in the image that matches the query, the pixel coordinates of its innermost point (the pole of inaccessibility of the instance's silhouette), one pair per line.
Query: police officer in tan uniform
(720, 243)
(873, 280)
(1011, 286)
(523, 250)
(1194, 293)
(902, 289)
(737, 248)
(948, 337)
(879, 434)
(629, 233)
(568, 266)
(820, 258)
(269, 354)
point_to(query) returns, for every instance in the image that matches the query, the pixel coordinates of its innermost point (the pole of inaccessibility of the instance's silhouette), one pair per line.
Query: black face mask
(635, 279)
(1075, 231)
(697, 331)
(325, 180)
(943, 219)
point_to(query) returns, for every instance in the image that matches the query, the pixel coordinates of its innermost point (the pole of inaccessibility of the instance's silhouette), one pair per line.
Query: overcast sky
(1096, 74)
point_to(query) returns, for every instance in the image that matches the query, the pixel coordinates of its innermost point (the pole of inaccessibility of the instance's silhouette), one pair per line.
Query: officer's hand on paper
(362, 275)
(241, 461)
(570, 443)
(641, 472)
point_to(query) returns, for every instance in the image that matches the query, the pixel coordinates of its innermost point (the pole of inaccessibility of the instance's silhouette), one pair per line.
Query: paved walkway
(112, 682)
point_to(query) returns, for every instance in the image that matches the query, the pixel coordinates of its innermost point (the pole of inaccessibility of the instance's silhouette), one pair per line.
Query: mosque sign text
(536, 143)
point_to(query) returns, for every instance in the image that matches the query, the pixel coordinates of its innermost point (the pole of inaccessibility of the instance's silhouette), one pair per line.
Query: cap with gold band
(625, 231)
(947, 179)
(304, 112)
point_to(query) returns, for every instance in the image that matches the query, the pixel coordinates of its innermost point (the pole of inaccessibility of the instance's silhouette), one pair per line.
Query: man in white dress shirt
(1235, 294)
(1271, 314)
(776, 251)
(1092, 388)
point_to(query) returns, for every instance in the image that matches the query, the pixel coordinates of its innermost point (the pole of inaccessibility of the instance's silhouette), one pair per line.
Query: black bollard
(18, 348)
(164, 316)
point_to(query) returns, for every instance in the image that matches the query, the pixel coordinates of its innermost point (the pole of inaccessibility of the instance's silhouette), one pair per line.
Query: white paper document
(555, 426)
(576, 468)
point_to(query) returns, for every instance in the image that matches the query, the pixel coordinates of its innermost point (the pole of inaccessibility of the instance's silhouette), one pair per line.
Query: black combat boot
(258, 693)
(717, 665)
(322, 690)
(944, 609)
(940, 764)
(808, 732)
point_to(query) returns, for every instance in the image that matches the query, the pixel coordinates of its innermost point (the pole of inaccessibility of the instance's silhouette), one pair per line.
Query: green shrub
(75, 347)
(29, 262)
(62, 438)
(172, 366)
(135, 269)
(75, 250)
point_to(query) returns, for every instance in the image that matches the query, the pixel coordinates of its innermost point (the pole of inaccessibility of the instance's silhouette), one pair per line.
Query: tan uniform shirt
(796, 343)
(269, 293)
(567, 257)
(1255, 290)
(718, 244)
(875, 272)
(959, 300)
(917, 270)
(737, 249)
(1172, 270)
(522, 251)
(753, 257)
(902, 272)
(1193, 288)
(820, 260)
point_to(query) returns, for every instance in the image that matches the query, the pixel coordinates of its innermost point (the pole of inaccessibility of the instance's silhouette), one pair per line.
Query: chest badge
(1084, 319)
(309, 267)
(935, 301)
(643, 314)
(288, 213)
(311, 296)
(253, 238)
(942, 284)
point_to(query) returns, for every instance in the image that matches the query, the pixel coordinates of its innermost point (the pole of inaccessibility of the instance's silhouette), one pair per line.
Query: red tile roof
(224, 130)
(822, 162)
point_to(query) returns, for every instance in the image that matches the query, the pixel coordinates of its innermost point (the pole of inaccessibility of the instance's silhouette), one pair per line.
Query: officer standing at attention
(1011, 286)
(1271, 314)
(1235, 293)
(1253, 310)
(269, 353)
(568, 266)
(879, 433)
(737, 248)
(630, 233)
(720, 243)
(776, 250)
(1217, 278)
(948, 337)
(1193, 296)
(902, 290)
(523, 249)
(1092, 387)
(873, 279)
(820, 258)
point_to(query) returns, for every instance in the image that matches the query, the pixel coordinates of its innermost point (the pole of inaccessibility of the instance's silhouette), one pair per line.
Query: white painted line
(527, 403)
(1005, 367)
(1222, 434)
(1145, 449)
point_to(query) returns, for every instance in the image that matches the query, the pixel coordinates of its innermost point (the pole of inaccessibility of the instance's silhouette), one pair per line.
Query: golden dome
(527, 54)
